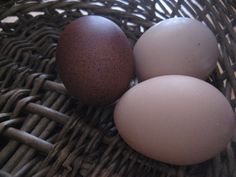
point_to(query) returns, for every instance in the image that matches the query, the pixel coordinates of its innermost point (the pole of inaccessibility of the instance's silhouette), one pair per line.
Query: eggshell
(94, 60)
(175, 119)
(176, 46)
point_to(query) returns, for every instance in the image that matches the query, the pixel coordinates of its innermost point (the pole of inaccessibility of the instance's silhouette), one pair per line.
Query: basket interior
(45, 132)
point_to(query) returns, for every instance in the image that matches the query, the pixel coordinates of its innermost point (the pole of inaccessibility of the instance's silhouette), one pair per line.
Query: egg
(94, 60)
(175, 119)
(181, 46)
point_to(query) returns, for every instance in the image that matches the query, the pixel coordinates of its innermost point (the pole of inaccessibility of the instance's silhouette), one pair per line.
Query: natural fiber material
(44, 132)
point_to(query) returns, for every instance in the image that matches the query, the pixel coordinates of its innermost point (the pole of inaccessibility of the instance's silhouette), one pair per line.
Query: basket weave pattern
(44, 132)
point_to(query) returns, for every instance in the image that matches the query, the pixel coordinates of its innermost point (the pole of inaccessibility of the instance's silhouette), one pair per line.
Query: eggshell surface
(175, 119)
(181, 46)
(94, 60)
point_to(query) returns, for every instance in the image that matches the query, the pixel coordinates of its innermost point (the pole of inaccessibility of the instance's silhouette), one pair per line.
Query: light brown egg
(175, 119)
(176, 46)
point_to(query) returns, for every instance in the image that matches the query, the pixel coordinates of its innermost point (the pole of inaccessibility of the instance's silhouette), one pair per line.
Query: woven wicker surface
(44, 132)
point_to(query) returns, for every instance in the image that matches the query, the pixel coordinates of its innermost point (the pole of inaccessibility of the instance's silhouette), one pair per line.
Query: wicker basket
(44, 132)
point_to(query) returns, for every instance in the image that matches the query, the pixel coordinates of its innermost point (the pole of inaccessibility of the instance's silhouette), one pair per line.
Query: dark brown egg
(94, 60)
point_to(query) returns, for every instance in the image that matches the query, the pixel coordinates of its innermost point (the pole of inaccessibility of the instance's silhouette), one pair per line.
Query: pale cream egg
(176, 46)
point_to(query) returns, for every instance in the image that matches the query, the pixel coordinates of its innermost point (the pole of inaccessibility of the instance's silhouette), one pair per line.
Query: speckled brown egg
(94, 60)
